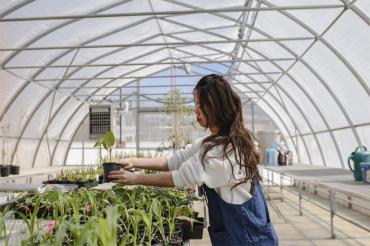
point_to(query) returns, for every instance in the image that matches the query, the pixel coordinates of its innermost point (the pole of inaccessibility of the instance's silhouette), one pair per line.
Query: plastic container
(270, 157)
(365, 170)
(108, 167)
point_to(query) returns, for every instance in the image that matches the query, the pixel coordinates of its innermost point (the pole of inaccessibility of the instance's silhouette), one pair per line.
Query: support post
(300, 204)
(332, 213)
(281, 186)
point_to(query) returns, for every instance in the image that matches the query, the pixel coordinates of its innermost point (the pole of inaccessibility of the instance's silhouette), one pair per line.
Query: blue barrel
(270, 157)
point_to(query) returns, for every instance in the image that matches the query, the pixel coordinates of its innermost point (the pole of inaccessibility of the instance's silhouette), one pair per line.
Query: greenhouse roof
(305, 63)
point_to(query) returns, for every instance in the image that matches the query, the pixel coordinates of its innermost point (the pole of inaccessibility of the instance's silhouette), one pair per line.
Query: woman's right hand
(127, 163)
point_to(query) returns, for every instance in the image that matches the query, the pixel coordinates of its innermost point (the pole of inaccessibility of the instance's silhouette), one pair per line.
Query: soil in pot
(108, 167)
(175, 241)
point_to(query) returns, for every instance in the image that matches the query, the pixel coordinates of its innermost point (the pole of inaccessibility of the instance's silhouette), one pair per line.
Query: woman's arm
(163, 179)
(155, 163)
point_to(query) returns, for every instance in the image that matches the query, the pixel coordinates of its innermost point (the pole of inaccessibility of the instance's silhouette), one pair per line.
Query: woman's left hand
(123, 177)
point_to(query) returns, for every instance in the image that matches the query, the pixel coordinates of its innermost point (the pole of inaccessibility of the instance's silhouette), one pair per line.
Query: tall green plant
(148, 222)
(4, 234)
(107, 228)
(32, 223)
(157, 211)
(107, 141)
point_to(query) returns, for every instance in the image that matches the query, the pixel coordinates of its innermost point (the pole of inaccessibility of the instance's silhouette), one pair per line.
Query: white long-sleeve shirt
(187, 171)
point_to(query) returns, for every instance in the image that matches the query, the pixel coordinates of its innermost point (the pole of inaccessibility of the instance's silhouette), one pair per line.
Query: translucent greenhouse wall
(304, 63)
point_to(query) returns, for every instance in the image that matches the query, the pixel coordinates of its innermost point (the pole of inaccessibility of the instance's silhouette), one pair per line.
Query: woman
(224, 164)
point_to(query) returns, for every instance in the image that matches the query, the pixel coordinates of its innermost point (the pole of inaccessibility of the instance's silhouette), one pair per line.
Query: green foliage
(4, 234)
(106, 217)
(107, 227)
(78, 174)
(107, 141)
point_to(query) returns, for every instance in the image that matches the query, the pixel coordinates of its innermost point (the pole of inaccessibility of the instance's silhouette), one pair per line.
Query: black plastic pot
(80, 184)
(108, 167)
(196, 233)
(14, 169)
(5, 171)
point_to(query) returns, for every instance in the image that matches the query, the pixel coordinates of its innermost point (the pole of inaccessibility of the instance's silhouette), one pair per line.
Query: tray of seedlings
(121, 216)
(82, 177)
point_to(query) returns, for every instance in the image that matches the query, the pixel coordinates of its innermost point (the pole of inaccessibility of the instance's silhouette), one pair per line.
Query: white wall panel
(60, 153)
(340, 81)
(22, 107)
(8, 86)
(314, 150)
(342, 34)
(61, 119)
(328, 147)
(281, 111)
(364, 6)
(266, 108)
(74, 157)
(291, 109)
(302, 151)
(74, 123)
(300, 98)
(25, 150)
(320, 95)
(346, 143)
(364, 132)
(45, 151)
(273, 21)
(317, 19)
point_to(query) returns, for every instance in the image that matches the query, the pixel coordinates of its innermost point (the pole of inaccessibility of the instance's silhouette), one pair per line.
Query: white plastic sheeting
(305, 63)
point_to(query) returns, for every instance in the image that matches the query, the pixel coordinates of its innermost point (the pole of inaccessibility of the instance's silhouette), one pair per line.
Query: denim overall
(240, 224)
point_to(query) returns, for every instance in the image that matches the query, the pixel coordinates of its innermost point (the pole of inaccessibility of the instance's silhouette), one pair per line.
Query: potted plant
(107, 141)
(4, 170)
(14, 169)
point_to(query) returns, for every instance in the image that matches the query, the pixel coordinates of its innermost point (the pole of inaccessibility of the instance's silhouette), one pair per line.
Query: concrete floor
(312, 228)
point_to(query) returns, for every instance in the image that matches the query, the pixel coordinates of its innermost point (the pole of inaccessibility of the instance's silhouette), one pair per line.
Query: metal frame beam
(315, 74)
(15, 8)
(40, 36)
(68, 121)
(188, 43)
(141, 77)
(56, 111)
(153, 86)
(342, 59)
(150, 94)
(143, 64)
(61, 106)
(174, 12)
(259, 97)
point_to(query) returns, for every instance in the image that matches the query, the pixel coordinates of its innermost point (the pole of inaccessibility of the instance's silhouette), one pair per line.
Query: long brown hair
(222, 108)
